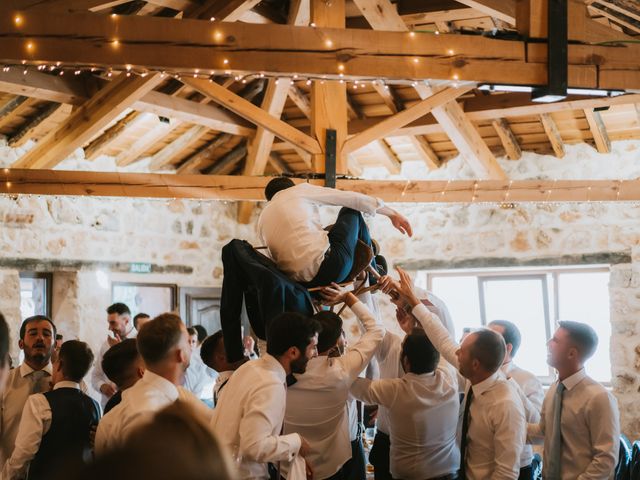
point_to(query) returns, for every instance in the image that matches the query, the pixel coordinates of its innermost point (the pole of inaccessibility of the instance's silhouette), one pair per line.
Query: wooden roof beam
(38, 125)
(222, 10)
(173, 150)
(197, 161)
(508, 139)
(88, 120)
(232, 188)
(300, 99)
(551, 129)
(504, 10)
(598, 130)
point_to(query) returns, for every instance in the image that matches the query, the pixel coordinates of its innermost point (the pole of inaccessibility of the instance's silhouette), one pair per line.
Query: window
(152, 299)
(535, 300)
(35, 294)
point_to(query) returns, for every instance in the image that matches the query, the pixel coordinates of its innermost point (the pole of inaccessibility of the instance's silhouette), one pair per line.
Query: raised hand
(333, 294)
(405, 288)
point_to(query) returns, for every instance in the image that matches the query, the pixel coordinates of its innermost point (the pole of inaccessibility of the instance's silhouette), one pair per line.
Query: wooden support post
(329, 98)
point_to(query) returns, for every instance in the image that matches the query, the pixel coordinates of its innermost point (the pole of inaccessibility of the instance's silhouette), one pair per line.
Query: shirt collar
(132, 333)
(66, 384)
(273, 364)
(574, 379)
(157, 382)
(486, 384)
(27, 370)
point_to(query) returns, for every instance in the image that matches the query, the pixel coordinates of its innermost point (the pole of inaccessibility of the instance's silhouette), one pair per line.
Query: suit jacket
(266, 291)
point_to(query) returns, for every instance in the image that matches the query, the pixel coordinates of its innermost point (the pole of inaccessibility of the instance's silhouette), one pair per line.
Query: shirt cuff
(420, 309)
(294, 443)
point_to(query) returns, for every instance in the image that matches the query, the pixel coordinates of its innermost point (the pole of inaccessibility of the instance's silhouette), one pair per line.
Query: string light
(225, 61)
(412, 34)
(212, 19)
(18, 20)
(30, 46)
(328, 43)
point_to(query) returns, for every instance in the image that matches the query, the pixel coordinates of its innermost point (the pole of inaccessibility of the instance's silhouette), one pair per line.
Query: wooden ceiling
(68, 82)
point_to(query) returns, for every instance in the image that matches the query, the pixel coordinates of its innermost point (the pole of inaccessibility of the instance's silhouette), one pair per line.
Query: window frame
(172, 286)
(549, 277)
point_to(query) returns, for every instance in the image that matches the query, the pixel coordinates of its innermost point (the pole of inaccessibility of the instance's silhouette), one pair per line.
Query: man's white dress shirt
(98, 376)
(497, 427)
(589, 425)
(249, 417)
(423, 417)
(139, 403)
(290, 226)
(221, 382)
(390, 350)
(22, 382)
(532, 396)
(317, 402)
(35, 423)
(199, 377)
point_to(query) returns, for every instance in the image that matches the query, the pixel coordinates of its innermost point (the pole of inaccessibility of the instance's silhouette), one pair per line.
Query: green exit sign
(140, 268)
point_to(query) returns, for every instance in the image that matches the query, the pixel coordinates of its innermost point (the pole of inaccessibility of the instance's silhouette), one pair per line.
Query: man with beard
(250, 411)
(120, 324)
(164, 346)
(37, 340)
(317, 402)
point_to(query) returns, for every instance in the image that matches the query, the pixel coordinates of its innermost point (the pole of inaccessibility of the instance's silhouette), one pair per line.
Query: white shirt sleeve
(378, 392)
(257, 441)
(437, 333)
(98, 378)
(360, 354)
(35, 423)
(510, 433)
(331, 196)
(604, 429)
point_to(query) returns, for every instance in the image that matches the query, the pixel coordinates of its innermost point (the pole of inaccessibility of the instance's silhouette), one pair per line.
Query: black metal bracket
(330, 159)
(557, 54)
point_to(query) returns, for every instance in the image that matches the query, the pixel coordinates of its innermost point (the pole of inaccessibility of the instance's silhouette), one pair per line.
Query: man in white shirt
(164, 346)
(493, 422)
(388, 356)
(290, 227)
(197, 376)
(317, 402)
(55, 428)
(248, 418)
(579, 422)
(119, 320)
(531, 387)
(423, 409)
(37, 340)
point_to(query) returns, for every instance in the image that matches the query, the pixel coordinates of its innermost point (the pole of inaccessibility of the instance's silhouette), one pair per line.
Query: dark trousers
(379, 456)
(356, 468)
(343, 237)
(526, 473)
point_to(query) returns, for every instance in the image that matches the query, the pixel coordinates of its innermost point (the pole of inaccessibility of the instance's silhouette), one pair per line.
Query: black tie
(463, 437)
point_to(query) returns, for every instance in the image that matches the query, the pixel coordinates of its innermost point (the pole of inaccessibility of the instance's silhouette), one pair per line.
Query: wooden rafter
(231, 188)
(551, 129)
(196, 162)
(169, 153)
(15, 108)
(100, 144)
(179, 45)
(38, 125)
(254, 114)
(504, 10)
(508, 139)
(88, 120)
(390, 124)
(228, 162)
(142, 143)
(222, 10)
(426, 153)
(386, 156)
(598, 130)
(300, 99)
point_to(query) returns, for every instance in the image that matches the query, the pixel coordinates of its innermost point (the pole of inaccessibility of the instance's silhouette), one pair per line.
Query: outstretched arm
(399, 221)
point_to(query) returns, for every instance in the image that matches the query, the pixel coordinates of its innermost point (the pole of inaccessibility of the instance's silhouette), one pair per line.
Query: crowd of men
(446, 410)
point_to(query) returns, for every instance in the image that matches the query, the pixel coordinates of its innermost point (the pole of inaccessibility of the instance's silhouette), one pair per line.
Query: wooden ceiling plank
(145, 141)
(504, 10)
(300, 99)
(104, 141)
(508, 139)
(16, 108)
(390, 100)
(170, 152)
(230, 159)
(222, 10)
(426, 153)
(37, 126)
(279, 164)
(598, 130)
(88, 120)
(551, 129)
(387, 156)
(381, 15)
(197, 161)
(390, 124)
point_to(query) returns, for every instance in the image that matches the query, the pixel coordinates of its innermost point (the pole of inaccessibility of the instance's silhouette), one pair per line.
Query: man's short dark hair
(202, 333)
(276, 185)
(138, 317)
(76, 358)
(331, 325)
(159, 336)
(290, 329)
(583, 336)
(489, 349)
(118, 360)
(119, 308)
(36, 318)
(418, 349)
(510, 333)
(210, 346)
(192, 331)
(59, 336)
(4, 341)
